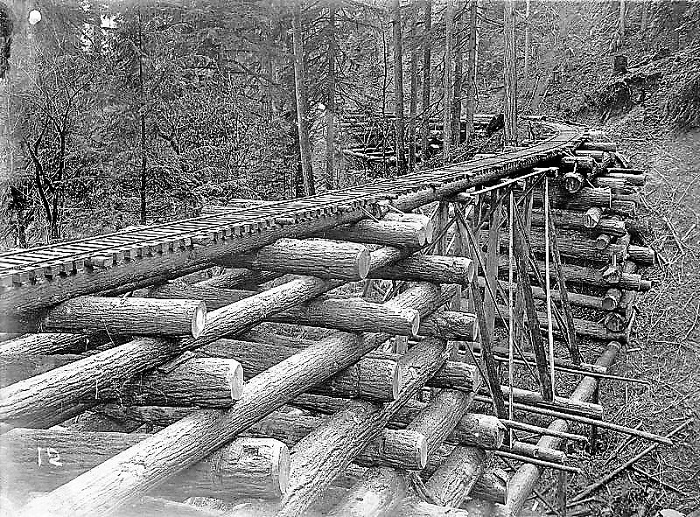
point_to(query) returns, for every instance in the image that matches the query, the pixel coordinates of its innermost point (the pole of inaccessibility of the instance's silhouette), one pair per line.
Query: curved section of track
(36, 278)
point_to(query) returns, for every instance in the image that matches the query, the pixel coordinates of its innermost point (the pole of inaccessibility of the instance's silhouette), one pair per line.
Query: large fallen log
(370, 379)
(438, 269)
(316, 257)
(35, 401)
(474, 429)
(203, 382)
(122, 316)
(401, 233)
(577, 299)
(325, 453)
(571, 220)
(455, 478)
(105, 487)
(38, 460)
(42, 344)
(240, 278)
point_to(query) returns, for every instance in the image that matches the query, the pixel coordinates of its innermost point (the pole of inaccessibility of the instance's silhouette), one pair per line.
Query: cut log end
(281, 466)
(363, 263)
(235, 379)
(422, 452)
(396, 383)
(199, 319)
(414, 317)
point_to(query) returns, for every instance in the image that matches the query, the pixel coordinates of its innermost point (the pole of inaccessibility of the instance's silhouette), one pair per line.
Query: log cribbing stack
(324, 406)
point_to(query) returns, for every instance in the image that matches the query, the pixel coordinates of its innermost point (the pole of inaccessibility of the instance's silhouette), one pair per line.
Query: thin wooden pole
(629, 462)
(511, 326)
(548, 286)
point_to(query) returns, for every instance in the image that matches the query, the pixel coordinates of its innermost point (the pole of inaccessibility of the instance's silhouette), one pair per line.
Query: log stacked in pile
(346, 374)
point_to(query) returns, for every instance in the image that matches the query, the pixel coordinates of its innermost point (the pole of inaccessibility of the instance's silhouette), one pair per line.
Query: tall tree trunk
(413, 102)
(510, 75)
(330, 101)
(425, 121)
(471, 69)
(142, 118)
(457, 94)
(302, 104)
(448, 80)
(528, 37)
(398, 88)
(645, 18)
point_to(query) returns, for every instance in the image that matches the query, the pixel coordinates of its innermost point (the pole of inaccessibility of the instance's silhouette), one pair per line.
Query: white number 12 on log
(52, 455)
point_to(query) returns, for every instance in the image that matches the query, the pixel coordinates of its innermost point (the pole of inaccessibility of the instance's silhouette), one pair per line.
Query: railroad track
(35, 278)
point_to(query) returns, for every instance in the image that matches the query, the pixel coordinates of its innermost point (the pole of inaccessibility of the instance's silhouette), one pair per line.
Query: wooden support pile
(346, 372)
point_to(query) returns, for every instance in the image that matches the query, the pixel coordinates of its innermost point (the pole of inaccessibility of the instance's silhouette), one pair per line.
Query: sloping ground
(666, 348)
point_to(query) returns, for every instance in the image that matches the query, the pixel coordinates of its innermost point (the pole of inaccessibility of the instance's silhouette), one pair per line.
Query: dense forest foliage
(118, 113)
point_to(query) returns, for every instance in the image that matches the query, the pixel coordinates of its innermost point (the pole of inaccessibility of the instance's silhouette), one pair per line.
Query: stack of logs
(284, 387)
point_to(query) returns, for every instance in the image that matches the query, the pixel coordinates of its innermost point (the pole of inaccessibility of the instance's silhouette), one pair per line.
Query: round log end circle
(235, 379)
(199, 319)
(362, 264)
(280, 468)
(397, 383)
(413, 316)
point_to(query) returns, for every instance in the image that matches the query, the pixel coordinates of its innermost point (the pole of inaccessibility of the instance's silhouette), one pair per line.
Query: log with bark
(324, 454)
(34, 402)
(17, 367)
(472, 429)
(42, 460)
(429, 268)
(570, 220)
(105, 487)
(401, 234)
(317, 257)
(123, 316)
(453, 481)
(43, 344)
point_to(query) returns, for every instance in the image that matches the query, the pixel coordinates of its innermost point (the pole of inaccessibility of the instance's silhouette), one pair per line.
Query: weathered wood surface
(570, 220)
(473, 429)
(176, 447)
(123, 316)
(17, 367)
(577, 299)
(370, 378)
(316, 257)
(315, 465)
(42, 344)
(38, 460)
(439, 269)
(402, 233)
(199, 381)
(455, 478)
(34, 402)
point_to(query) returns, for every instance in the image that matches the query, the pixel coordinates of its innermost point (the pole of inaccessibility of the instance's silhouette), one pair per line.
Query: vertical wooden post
(491, 266)
(532, 320)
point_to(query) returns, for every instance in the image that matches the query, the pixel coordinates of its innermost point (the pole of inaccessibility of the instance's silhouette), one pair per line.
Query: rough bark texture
(447, 99)
(203, 382)
(42, 460)
(317, 257)
(425, 101)
(387, 233)
(315, 464)
(450, 325)
(398, 87)
(378, 492)
(129, 316)
(369, 379)
(35, 401)
(570, 220)
(176, 447)
(42, 344)
(430, 268)
(453, 481)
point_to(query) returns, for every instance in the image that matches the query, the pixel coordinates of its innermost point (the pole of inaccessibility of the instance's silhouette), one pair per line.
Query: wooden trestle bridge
(305, 392)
